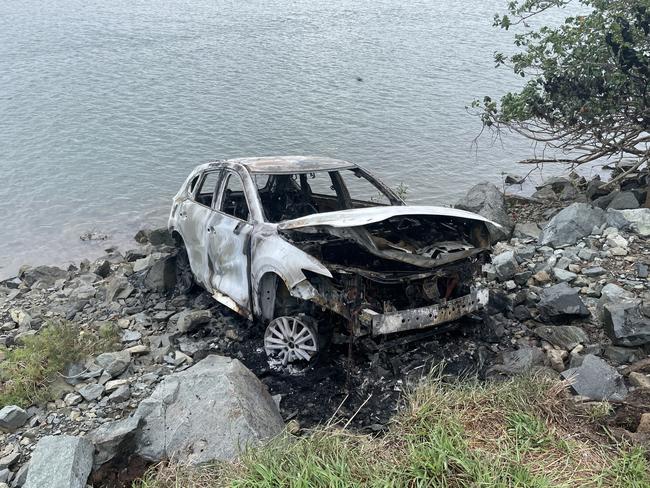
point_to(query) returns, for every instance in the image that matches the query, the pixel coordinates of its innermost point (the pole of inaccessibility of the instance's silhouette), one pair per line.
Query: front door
(229, 230)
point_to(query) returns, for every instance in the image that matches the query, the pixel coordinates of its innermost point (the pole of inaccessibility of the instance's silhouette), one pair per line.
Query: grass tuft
(520, 433)
(28, 371)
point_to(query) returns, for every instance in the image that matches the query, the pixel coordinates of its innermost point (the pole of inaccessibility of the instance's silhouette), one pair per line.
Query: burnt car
(300, 245)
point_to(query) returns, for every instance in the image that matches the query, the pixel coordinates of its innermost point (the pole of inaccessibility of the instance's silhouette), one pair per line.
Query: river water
(106, 106)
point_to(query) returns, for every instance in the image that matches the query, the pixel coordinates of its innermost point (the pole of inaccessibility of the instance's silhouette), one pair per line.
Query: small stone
(9, 460)
(138, 350)
(115, 384)
(563, 275)
(91, 392)
(121, 394)
(190, 320)
(72, 399)
(641, 270)
(12, 417)
(594, 271)
(114, 363)
(542, 277)
(565, 337)
(556, 357)
(639, 380)
(131, 336)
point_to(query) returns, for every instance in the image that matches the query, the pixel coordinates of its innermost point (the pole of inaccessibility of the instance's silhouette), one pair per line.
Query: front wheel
(292, 342)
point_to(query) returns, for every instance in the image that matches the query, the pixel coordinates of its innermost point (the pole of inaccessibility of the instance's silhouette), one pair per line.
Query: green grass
(30, 369)
(518, 433)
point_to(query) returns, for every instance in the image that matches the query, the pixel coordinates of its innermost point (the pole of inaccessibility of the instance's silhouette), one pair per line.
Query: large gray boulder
(487, 200)
(612, 293)
(596, 380)
(625, 324)
(210, 411)
(60, 462)
(561, 301)
(572, 224)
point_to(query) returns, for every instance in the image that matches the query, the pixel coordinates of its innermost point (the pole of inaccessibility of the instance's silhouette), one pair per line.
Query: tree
(586, 92)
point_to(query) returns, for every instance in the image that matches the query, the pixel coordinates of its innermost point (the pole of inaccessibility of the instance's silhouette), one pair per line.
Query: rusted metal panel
(423, 317)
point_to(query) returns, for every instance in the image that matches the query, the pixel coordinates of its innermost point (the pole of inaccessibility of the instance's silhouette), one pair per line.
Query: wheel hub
(290, 340)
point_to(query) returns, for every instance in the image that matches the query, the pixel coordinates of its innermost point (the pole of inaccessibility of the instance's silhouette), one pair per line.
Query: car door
(194, 214)
(229, 230)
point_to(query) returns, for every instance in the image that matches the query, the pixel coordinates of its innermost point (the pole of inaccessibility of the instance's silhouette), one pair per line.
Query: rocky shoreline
(570, 297)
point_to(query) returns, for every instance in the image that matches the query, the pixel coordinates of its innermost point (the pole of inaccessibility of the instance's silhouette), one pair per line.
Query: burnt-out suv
(303, 244)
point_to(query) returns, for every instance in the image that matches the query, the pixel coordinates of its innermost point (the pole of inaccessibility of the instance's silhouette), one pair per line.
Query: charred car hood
(363, 216)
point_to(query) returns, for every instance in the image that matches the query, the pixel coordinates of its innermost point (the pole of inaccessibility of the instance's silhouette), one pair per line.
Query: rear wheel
(184, 277)
(292, 342)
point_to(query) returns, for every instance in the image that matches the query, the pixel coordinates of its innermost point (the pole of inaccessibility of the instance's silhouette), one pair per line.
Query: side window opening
(206, 192)
(233, 201)
(362, 192)
(192, 184)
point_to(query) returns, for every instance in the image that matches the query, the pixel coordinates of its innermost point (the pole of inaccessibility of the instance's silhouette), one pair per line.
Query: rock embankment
(569, 297)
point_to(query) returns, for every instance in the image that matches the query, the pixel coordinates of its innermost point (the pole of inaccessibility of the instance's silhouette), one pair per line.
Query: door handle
(210, 229)
(238, 228)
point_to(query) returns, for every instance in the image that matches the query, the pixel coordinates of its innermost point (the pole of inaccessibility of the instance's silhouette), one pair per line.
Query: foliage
(587, 80)
(518, 433)
(29, 370)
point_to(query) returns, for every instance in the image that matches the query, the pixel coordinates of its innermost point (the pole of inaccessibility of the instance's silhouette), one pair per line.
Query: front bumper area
(420, 318)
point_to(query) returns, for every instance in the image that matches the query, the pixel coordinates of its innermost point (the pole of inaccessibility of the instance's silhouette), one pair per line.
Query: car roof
(290, 164)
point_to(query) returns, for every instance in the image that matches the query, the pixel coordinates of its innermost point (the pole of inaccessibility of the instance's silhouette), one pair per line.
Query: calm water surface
(106, 106)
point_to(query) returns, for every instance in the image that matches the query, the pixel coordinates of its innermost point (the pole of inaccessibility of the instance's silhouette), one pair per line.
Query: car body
(295, 242)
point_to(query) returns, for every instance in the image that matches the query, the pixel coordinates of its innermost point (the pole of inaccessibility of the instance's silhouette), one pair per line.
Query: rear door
(194, 214)
(229, 229)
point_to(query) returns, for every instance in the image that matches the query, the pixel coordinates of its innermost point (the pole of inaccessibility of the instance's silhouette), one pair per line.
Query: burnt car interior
(291, 196)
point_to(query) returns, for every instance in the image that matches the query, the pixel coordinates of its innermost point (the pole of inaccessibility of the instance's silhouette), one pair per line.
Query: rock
(644, 424)
(625, 324)
(118, 288)
(180, 420)
(91, 392)
(563, 336)
(596, 380)
(612, 293)
(640, 380)
(9, 460)
(72, 399)
(620, 354)
(641, 270)
(511, 179)
(624, 200)
(527, 230)
(114, 363)
(487, 200)
(523, 359)
(161, 237)
(103, 269)
(12, 417)
(42, 276)
(161, 276)
(121, 394)
(60, 462)
(640, 220)
(505, 265)
(556, 357)
(115, 440)
(560, 301)
(131, 336)
(564, 275)
(571, 224)
(21, 476)
(594, 271)
(190, 320)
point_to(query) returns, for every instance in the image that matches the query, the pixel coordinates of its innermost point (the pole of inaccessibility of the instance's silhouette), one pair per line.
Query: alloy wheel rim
(290, 340)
